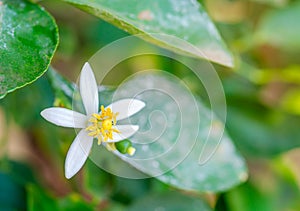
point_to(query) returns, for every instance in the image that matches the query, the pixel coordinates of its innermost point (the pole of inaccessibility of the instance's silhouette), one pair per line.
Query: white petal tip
(42, 113)
(68, 175)
(135, 106)
(86, 66)
(139, 104)
(135, 127)
(87, 69)
(46, 114)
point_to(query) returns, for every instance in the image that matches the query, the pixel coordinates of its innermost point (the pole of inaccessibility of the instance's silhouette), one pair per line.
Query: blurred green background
(263, 98)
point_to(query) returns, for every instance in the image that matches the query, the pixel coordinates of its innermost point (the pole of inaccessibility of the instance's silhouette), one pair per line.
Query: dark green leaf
(28, 40)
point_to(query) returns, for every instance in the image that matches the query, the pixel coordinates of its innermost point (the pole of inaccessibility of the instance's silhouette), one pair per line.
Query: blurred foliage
(262, 93)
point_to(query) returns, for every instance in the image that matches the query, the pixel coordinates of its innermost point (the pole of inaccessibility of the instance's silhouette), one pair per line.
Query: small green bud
(125, 147)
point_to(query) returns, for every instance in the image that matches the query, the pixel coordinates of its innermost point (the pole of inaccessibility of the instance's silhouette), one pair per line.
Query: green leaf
(183, 19)
(171, 201)
(169, 147)
(285, 23)
(28, 40)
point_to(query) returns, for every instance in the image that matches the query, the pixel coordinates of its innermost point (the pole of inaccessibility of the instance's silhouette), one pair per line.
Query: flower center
(107, 124)
(100, 126)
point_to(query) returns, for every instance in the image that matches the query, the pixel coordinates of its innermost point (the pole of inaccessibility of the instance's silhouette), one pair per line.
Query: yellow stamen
(97, 116)
(99, 139)
(93, 133)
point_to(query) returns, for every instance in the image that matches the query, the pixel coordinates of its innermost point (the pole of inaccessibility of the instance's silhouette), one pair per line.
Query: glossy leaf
(166, 149)
(28, 40)
(183, 19)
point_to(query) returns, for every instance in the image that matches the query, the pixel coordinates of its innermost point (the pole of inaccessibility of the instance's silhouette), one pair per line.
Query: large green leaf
(28, 40)
(285, 23)
(184, 19)
(173, 145)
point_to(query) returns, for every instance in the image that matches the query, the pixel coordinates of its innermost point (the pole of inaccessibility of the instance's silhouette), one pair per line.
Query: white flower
(101, 126)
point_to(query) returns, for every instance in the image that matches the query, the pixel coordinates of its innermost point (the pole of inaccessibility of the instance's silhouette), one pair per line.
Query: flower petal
(126, 107)
(89, 90)
(78, 153)
(64, 117)
(125, 132)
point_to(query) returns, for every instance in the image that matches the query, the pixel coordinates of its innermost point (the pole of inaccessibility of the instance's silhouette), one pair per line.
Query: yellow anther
(91, 127)
(93, 133)
(97, 116)
(93, 120)
(115, 130)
